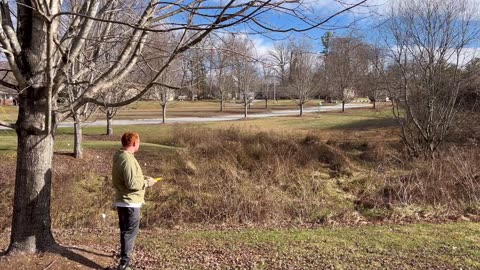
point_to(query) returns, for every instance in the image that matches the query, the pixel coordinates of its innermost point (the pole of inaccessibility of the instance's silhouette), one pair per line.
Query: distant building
(8, 97)
(250, 95)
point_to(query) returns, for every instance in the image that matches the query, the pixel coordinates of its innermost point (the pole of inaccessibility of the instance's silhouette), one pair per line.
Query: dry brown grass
(228, 176)
(253, 176)
(447, 186)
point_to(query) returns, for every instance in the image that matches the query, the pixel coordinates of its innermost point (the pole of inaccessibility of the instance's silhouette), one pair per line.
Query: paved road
(217, 118)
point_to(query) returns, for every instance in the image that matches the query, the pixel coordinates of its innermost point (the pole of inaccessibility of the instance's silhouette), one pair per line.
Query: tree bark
(221, 104)
(343, 106)
(266, 103)
(374, 104)
(109, 126)
(164, 113)
(78, 139)
(245, 110)
(110, 114)
(31, 222)
(301, 109)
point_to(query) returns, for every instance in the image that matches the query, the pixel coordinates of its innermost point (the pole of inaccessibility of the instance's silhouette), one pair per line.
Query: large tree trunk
(31, 222)
(77, 142)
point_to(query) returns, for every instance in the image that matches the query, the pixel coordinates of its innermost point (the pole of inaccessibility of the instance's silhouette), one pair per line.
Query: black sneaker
(124, 267)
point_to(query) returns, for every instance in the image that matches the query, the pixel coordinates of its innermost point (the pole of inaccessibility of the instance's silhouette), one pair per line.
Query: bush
(450, 182)
(243, 177)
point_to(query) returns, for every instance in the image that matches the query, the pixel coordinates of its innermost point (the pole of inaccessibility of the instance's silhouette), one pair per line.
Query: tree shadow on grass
(381, 122)
(71, 255)
(68, 253)
(89, 251)
(63, 153)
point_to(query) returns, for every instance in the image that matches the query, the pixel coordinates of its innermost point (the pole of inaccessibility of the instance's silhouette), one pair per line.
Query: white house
(8, 96)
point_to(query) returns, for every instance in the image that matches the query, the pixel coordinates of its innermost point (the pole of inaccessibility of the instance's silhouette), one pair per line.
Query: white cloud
(466, 55)
(262, 46)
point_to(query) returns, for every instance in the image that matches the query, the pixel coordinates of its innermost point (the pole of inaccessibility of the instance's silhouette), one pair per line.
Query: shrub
(451, 182)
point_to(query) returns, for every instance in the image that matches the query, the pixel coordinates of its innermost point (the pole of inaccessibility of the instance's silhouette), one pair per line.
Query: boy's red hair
(129, 138)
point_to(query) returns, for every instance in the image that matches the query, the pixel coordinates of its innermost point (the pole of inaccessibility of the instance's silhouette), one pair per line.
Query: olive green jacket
(128, 180)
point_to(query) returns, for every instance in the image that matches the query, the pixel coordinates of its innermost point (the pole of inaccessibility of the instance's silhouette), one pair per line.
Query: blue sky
(366, 18)
(317, 10)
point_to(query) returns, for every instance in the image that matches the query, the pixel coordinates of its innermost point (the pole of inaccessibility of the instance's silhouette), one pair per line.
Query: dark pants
(129, 221)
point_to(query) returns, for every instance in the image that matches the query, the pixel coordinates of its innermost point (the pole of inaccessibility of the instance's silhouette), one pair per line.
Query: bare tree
(165, 93)
(373, 83)
(51, 35)
(279, 57)
(120, 92)
(220, 68)
(193, 67)
(303, 71)
(267, 81)
(79, 117)
(244, 71)
(170, 81)
(427, 39)
(347, 64)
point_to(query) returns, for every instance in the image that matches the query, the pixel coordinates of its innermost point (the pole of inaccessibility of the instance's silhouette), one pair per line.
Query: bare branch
(8, 125)
(322, 22)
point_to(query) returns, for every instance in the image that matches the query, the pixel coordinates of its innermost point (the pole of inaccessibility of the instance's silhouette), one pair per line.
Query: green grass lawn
(355, 119)
(8, 113)
(351, 119)
(417, 246)
(152, 109)
(420, 246)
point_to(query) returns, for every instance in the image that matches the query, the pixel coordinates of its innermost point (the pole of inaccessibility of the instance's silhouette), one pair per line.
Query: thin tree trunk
(77, 142)
(266, 103)
(343, 106)
(109, 125)
(245, 109)
(164, 113)
(301, 109)
(31, 222)
(374, 104)
(221, 103)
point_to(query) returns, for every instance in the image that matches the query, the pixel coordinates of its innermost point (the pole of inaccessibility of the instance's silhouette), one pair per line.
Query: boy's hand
(149, 181)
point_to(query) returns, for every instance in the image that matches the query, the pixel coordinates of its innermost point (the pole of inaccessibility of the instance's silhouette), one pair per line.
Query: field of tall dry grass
(232, 175)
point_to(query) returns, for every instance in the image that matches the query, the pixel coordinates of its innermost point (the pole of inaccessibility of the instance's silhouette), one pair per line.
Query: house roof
(8, 91)
(9, 78)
